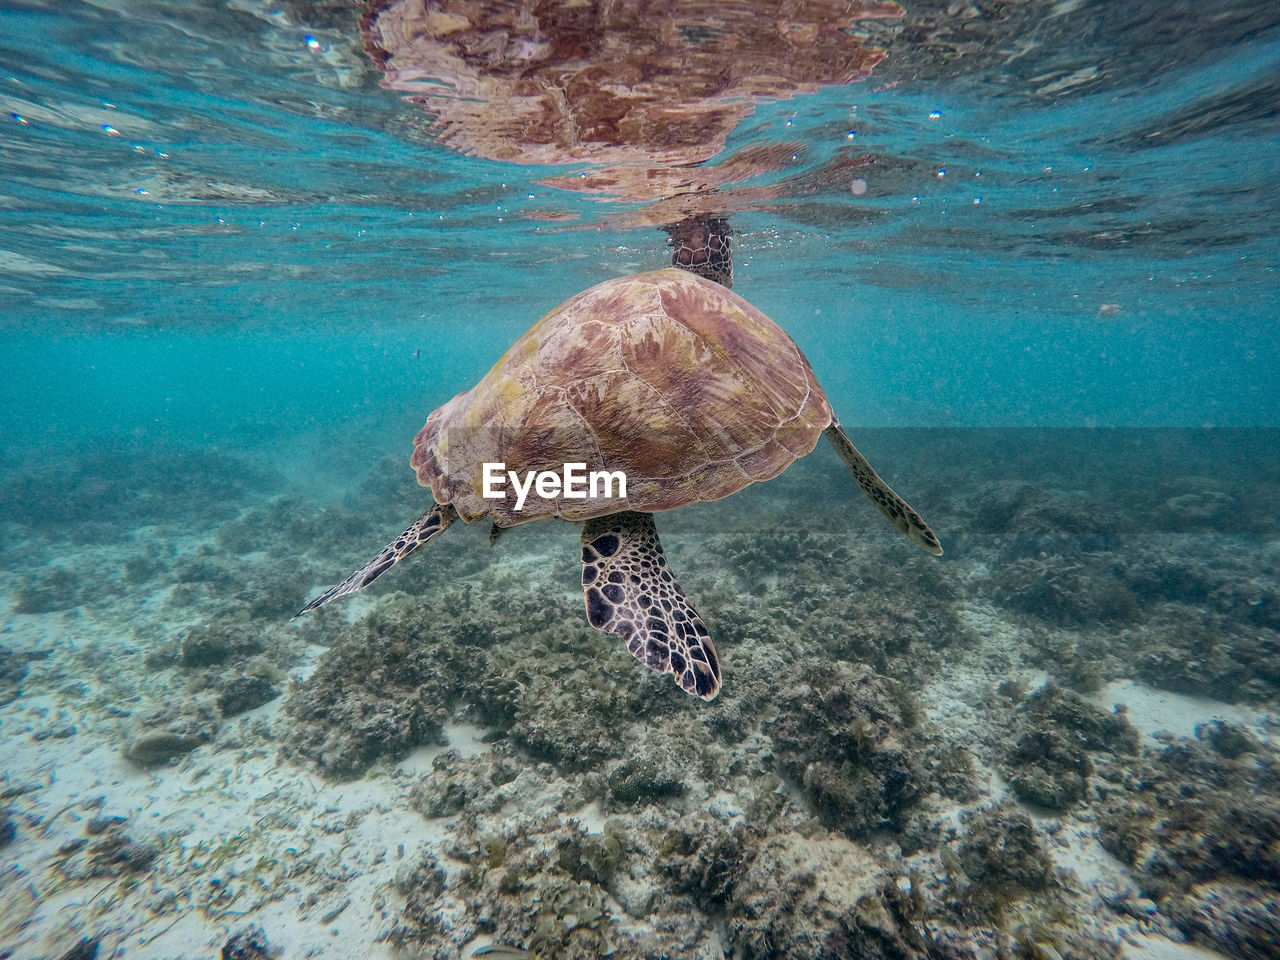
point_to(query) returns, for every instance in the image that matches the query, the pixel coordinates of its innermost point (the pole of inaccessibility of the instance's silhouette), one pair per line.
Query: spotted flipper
(422, 530)
(891, 505)
(630, 592)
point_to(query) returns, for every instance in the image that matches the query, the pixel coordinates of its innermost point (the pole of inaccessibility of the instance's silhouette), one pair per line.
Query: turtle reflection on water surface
(677, 382)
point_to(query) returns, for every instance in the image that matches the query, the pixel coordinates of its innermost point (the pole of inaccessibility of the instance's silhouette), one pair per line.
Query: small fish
(494, 951)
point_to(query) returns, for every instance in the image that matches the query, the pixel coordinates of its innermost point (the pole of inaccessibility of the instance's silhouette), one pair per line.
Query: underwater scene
(902, 429)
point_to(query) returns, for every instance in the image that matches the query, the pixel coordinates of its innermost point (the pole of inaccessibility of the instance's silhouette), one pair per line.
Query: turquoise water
(197, 192)
(237, 272)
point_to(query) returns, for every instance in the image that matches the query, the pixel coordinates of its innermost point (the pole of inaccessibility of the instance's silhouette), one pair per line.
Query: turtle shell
(677, 382)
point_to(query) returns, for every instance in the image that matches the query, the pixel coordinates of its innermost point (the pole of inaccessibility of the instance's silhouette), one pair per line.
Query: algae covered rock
(845, 739)
(1018, 506)
(1073, 590)
(538, 886)
(1210, 653)
(1048, 759)
(160, 746)
(458, 783)
(1237, 920)
(643, 779)
(1229, 739)
(1200, 827)
(216, 643)
(799, 897)
(110, 848)
(422, 886)
(1002, 853)
(47, 590)
(390, 681)
(13, 670)
(117, 853)
(704, 857)
(1190, 815)
(564, 693)
(249, 943)
(168, 733)
(243, 692)
(384, 688)
(1052, 705)
(1050, 768)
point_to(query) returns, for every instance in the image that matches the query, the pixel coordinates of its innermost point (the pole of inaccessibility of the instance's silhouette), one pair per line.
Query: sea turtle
(670, 378)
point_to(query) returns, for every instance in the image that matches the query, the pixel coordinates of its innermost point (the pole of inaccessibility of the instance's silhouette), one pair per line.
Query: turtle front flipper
(630, 592)
(421, 531)
(891, 505)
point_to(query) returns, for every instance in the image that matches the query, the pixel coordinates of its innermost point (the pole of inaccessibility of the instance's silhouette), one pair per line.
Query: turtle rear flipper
(425, 528)
(891, 505)
(630, 592)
